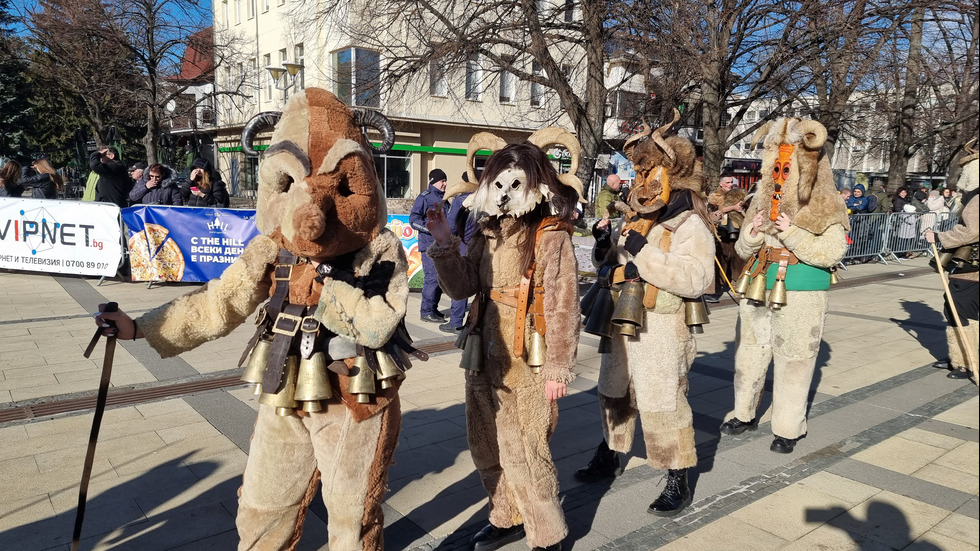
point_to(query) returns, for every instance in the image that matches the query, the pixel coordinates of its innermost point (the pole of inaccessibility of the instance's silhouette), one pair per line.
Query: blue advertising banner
(185, 243)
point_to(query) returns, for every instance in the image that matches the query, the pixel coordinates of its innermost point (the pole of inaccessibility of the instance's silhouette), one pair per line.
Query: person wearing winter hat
(428, 199)
(204, 188)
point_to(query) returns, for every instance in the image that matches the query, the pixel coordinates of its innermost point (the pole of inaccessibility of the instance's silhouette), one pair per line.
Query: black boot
(491, 537)
(675, 497)
(555, 547)
(604, 464)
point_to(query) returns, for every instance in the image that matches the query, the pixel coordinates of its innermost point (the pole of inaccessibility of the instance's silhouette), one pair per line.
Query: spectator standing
(136, 171)
(608, 195)
(113, 184)
(44, 182)
(463, 226)
(9, 180)
(727, 205)
(157, 186)
(430, 198)
(878, 198)
(204, 187)
(949, 200)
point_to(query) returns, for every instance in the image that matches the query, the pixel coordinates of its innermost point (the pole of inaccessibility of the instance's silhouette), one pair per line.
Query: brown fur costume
(647, 375)
(319, 197)
(790, 336)
(509, 420)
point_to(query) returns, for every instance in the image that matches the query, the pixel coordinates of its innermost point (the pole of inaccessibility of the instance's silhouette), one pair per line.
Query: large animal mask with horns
(970, 175)
(319, 195)
(662, 163)
(517, 187)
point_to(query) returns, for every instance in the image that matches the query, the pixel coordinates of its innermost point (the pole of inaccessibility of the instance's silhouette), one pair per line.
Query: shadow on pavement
(885, 528)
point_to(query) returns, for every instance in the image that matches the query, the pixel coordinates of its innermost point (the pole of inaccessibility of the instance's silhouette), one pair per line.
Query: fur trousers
(508, 431)
(647, 377)
(288, 457)
(957, 358)
(789, 338)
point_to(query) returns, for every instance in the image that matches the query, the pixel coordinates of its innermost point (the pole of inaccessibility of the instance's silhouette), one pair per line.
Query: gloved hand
(634, 242)
(601, 234)
(325, 270)
(630, 272)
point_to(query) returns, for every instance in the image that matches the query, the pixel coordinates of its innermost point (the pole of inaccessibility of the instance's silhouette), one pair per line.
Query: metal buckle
(296, 320)
(313, 326)
(261, 315)
(289, 272)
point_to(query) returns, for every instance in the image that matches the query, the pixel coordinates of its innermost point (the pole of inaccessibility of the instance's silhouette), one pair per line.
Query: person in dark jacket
(429, 199)
(43, 180)
(10, 180)
(462, 225)
(157, 186)
(204, 187)
(114, 183)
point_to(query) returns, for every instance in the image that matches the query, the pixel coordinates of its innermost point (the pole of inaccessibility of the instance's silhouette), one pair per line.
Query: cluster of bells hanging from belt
(471, 343)
(307, 386)
(753, 289)
(609, 311)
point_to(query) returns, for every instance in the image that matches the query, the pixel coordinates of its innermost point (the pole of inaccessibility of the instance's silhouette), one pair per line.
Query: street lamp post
(277, 73)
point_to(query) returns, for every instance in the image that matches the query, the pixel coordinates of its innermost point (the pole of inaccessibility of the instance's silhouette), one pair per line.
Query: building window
(282, 60)
(437, 78)
(301, 60)
(265, 6)
(238, 11)
(357, 76)
(253, 79)
(251, 9)
(394, 168)
(267, 61)
(569, 11)
(506, 87)
(474, 78)
(537, 90)
(224, 13)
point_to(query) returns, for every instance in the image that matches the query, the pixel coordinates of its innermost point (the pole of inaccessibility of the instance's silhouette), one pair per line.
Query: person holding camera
(114, 184)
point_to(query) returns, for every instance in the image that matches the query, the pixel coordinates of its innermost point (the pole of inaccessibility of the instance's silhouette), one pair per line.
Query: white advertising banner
(67, 237)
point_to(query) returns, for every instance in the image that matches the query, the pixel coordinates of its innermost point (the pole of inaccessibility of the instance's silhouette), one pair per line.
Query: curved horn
(480, 141)
(634, 202)
(663, 129)
(554, 135)
(645, 132)
(258, 123)
(366, 117)
(761, 134)
(658, 137)
(969, 147)
(814, 133)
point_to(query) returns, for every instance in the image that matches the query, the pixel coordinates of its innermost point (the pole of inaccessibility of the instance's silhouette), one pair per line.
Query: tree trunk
(898, 158)
(150, 138)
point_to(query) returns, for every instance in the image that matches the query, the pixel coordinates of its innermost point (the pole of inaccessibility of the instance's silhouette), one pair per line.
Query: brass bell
(361, 380)
(777, 296)
(255, 368)
(537, 351)
(629, 306)
(627, 329)
(742, 285)
(757, 289)
(600, 318)
(283, 400)
(311, 406)
(312, 383)
(589, 299)
(695, 315)
(834, 278)
(388, 370)
(472, 357)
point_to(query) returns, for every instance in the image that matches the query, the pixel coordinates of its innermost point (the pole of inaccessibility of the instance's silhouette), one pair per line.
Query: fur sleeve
(966, 233)
(823, 250)
(216, 309)
(688, 268)
(459, 275)
(747, 245)
(561, 305)
(369, 321)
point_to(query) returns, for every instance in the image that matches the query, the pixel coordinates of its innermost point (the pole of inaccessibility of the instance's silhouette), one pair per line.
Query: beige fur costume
(790, 336)
(317, 146)
(509, 421)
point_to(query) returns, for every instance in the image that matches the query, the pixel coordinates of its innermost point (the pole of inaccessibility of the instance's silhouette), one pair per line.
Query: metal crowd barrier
(885, 236)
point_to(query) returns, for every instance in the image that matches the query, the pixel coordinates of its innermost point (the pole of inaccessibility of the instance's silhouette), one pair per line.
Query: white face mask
(508, 194)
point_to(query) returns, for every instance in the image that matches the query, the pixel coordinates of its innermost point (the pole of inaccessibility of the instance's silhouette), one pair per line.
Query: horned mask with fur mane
(319, 195)
(796, 177)
(970, 174)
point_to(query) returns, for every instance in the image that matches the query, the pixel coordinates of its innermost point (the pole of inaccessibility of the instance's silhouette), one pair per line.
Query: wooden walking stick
(731, 288)
(110, 349)
(970, 355)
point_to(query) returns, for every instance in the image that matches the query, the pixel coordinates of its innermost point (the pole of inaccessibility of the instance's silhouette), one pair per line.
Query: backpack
(872, 203)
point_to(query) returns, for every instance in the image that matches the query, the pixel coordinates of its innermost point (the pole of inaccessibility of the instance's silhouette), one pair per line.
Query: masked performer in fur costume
(964, 268)
(521, 267)
(332, 329)
(662, 257)
(796, 234)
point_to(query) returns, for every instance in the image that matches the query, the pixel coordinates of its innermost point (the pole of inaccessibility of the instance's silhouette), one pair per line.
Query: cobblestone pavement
(890, 461)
